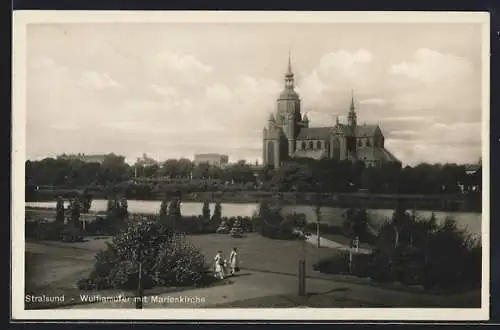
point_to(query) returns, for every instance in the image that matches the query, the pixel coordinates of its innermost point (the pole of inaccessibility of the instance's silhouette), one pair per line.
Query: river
(331, 215)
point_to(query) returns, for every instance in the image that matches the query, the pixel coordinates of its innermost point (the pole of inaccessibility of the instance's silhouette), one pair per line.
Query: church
(288, 135)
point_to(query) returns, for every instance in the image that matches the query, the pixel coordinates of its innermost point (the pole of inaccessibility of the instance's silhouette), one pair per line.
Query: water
(330, 215)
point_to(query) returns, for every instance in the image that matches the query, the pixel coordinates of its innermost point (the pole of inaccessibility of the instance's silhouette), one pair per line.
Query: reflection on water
(330, 215)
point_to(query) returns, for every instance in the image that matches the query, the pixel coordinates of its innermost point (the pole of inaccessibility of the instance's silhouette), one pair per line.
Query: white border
(22, 18)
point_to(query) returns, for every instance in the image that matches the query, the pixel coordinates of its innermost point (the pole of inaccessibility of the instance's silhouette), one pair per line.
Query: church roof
(366, 130)
(315, 154)
(375, 154)
(314, 133)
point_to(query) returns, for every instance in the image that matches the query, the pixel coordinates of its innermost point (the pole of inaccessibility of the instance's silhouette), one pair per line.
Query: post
(138, 302)
(302, 278)
(317, 234)
(350, 259)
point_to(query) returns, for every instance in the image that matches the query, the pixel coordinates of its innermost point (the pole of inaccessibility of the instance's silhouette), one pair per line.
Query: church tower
(351, 135)
(352, 117)
(288, 114)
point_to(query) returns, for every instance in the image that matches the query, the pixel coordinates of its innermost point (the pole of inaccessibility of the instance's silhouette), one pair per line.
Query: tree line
(299, 175)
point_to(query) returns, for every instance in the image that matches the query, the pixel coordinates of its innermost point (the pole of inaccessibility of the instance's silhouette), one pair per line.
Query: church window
(318, 144)
(375, 143)
(367, 142)
(311, 145)
(359, 143)
(303, 145)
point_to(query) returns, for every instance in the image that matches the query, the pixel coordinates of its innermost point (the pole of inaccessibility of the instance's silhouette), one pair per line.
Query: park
(271, 247)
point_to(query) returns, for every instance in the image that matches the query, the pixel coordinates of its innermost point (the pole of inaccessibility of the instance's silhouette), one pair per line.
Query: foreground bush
(416, 252)
(166, 260)
(53, 231)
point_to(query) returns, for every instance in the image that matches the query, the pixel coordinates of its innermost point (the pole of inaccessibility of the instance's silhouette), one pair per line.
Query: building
(211, 159)
(288, 134)
(84, 158)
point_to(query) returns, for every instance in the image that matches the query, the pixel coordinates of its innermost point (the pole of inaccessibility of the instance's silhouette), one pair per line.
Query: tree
(148, 251)
(164, 207)
(87, 202)
(217, 215)
(206, 211)
(60, 210)
(124, 208)
(75, 212)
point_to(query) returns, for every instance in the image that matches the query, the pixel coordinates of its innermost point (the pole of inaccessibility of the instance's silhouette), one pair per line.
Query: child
(234, 261)
(220, 270)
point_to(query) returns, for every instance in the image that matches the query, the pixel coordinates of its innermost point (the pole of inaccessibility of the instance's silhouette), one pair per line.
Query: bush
(269, 222)
(165, 260)
(422, 252)
(361, 264)
(104, 226)
(416, 253)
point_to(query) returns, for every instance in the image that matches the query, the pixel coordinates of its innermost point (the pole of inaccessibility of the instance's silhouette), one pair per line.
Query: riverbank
(450, 203)
(331, 216)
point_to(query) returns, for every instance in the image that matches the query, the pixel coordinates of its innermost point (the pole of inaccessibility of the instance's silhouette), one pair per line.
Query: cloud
(374, 101)
(181, 63)
(408, 119)
(336, 73)
(93, 79)
(164, 90)
(443, 83)
(429, 66)
(65, 127)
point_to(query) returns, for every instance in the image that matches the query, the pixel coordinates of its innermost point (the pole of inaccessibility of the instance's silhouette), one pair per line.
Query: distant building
(85, 158)
(287, 135)
(211, 159)
(471, 169)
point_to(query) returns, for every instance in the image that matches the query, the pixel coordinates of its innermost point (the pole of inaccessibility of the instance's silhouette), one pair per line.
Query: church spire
(289, 70)
(352, 117)
(352, 108)
(289, 81)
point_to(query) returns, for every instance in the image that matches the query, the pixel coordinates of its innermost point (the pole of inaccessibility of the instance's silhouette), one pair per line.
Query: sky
(172, 90)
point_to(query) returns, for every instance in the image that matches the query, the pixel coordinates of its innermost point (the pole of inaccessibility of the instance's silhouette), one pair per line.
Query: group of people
(221, 265)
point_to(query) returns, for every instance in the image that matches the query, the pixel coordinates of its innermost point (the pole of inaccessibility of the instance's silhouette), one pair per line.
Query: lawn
(260, 253)
(53, 268)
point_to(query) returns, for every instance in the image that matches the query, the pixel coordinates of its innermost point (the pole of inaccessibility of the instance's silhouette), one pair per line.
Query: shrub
(165, 260)
(206, 211)
(87, 203)
(422, 252)
(103, 226)
(361, 264)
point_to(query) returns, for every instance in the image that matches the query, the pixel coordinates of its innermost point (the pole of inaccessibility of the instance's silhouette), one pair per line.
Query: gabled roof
(375, 154)
(315, 133)
(366, 130)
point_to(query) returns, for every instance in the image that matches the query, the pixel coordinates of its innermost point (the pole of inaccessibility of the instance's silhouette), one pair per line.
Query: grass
(53, 268)
(260, 253)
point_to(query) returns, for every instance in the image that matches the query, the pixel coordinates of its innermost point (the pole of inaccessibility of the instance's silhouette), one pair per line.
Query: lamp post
(302, 261)
(139, 294)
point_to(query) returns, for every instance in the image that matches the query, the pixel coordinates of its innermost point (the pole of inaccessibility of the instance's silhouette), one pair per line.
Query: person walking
(234, 261)
(219, 267)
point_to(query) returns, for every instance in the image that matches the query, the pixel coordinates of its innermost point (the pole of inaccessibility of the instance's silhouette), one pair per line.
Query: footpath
(259, 290)
(313, 239)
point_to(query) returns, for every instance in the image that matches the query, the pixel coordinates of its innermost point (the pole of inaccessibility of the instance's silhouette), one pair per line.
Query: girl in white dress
(234, 261)
(219, 266)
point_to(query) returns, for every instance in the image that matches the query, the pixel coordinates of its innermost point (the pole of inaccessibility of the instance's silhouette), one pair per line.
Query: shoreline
(439, 203)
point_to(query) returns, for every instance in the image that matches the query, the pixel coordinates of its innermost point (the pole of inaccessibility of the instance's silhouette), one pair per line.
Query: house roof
(315, 133)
